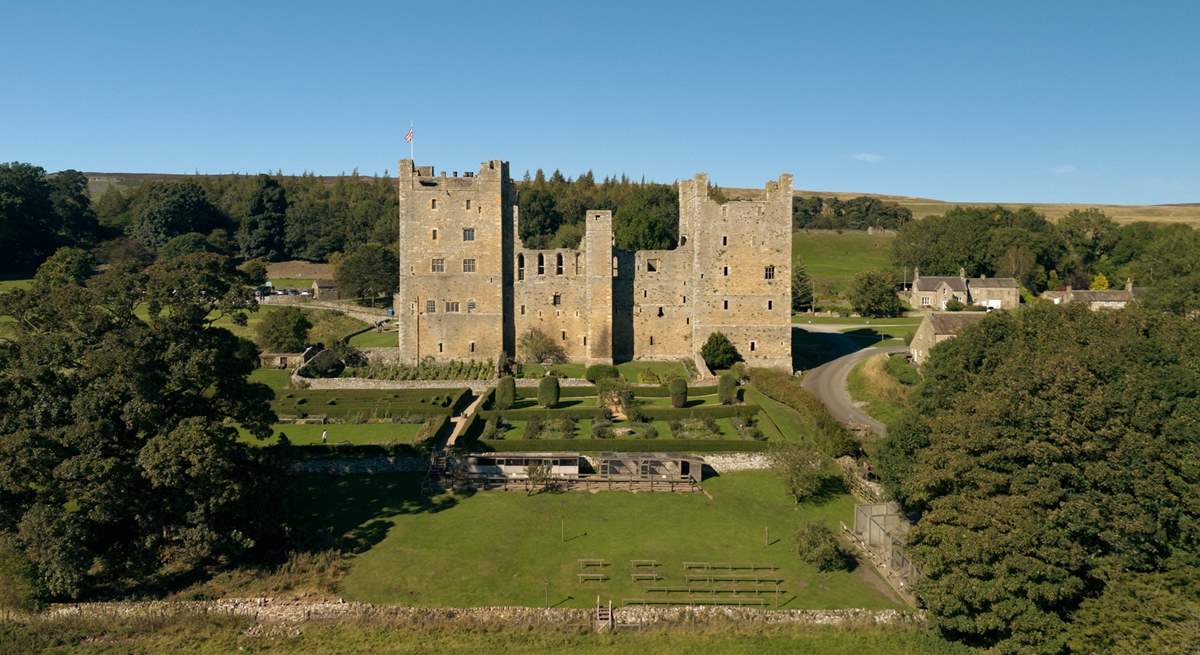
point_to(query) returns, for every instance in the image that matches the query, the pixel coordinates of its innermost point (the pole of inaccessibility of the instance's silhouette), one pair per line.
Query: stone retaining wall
(268, 610)
(721, 463)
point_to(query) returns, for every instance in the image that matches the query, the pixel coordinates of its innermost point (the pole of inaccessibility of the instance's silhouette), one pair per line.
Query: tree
(28, 224)
(727, 385)
(166, 210)
(873, 294)
(185, 244)
(77, 222)
(547, 391)
(804, 469)
(649, 220)
(802, 289)
(679, 392)
(718, 352)
(540, 475)
(66, 266)
(1167, 266)
(261, 234)
(1099, 282)
(816, 544)
(368, 273)
(284, 330)
(254, 272)
(120, 466)
(1047, 452)
(506, 392)
(539, 348)
(539, 218)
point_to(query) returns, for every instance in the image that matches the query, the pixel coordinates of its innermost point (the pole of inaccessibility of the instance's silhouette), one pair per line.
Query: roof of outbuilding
(993, 282)
(933, 282)
(1106, 295)
(954, 322)
(325, 283)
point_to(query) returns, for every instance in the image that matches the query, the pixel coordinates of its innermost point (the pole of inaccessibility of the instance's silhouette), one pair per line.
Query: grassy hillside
(832, 259)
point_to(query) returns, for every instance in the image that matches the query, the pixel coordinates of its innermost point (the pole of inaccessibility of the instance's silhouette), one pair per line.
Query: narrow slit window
(439, 347)
(725, 303)
(472, 344)
(724, 240)
(541, 264)
(660, 312)
(652, 340)
(770, 304)
(468, 207)
(522, 310)
(753, 346)
(725, 270)
(564, 335)
(433, 205)
(435, 234)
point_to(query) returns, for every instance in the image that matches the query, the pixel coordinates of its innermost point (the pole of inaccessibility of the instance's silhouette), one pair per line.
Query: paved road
(828, 383)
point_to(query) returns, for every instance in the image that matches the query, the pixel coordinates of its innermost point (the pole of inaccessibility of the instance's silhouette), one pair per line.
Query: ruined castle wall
(663, 301)
(537, 287)
(451, 302)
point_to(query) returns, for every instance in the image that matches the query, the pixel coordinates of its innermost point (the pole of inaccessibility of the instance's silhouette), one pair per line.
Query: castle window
(769, 273)
(687, 320)
(645, 293)
(683, 240)
(520, 267)
(433, 203)
(430, 307)
(468, 203)
(651, 265)
(564, 335)
(724, 240)
(725, 269)
(652, 340)
(726, 303)
(468, 234)
(585, 339)
(468, 266)
(541, 264)
(556, 300)
(577, 263)
(471, 346)
(685, 300)
(435, 234)
(471, 306)
(660, 312)
(558, 264)
(753, 346)
(451, 307)
(438, 266)
(522, 310)
(439, 347)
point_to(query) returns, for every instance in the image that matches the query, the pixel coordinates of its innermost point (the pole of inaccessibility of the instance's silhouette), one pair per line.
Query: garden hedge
(622, 445)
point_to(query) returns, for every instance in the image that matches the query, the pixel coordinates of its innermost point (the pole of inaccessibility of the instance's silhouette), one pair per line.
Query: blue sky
(1009, 101)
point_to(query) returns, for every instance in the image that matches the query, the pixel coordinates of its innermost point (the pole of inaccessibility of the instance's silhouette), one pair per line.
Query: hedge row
(619, 445)
(826, 433)
(525, 414)
(719, 411)
(663, 392)
(351, 451)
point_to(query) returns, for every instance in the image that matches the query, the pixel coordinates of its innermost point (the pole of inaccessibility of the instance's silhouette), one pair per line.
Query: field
(212, 635)
(514, 549)
(832, 259)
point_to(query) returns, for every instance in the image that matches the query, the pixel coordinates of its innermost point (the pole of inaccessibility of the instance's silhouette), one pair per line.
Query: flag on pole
(408, 136)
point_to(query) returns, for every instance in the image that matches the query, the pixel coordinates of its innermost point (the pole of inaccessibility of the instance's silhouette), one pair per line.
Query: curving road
(828, 383)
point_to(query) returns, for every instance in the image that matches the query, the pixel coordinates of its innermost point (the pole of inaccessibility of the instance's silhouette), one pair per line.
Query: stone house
(933, 292)
(324, 290)
(937, 327)
(469, 287)
(1095, 299)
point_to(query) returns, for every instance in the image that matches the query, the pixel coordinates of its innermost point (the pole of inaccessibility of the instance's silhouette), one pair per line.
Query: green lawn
(363, 403)
(832, 260)
(376, 339)
(802, 319)
(292, 283)
(506, 548)
(276, 378)
(567, 370)
(358, 434)
(881, 335)
(634, 371)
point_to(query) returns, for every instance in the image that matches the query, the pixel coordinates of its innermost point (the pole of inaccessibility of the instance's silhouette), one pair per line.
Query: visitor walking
(324, 437)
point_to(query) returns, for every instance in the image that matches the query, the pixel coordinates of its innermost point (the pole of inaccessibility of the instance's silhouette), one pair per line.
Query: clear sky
(1007, 101)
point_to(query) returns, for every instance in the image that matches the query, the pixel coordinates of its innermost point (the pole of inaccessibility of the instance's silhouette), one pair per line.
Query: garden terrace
(367, 405)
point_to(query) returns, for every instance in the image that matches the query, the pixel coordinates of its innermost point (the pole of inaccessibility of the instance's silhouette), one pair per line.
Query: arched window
(541, 264)
(520, 266)
(558, 264)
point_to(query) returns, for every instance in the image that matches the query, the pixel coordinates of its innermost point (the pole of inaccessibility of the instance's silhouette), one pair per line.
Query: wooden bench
(643, 563)
(588, 563)
(598, 577)
(727, 566)
(734, 577)
(643, 577)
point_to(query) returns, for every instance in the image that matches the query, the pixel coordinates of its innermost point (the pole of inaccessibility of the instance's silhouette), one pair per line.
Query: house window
(769, 273)
(451, 307)
(753, 346)
(725, 303)
(925, 301)
(651, 265)
(430, 307)
(541, 264)
(558, 264)
(556, 300)
(470, 306)
(468, 266)
(468, 234)
(438, 266)
(520, 267)
(435, 234)
(725, 270)
(433, 203)
(724, 240)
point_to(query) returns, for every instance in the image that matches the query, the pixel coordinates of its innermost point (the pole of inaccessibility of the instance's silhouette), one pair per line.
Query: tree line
(831, 213)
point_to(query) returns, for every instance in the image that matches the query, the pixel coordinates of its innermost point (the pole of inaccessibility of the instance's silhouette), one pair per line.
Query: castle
(469, 287)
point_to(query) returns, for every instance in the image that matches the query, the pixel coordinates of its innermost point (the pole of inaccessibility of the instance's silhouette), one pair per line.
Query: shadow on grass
(812, 349)
(868, 336)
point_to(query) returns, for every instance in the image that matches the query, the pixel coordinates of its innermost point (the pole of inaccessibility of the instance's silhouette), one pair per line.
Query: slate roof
(932, 283)
(325, 284)
(993, 282)
(954, 322)
(1107, 295)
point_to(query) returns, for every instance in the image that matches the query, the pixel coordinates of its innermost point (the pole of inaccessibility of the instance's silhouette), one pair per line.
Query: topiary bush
(597, 372)
(727, 388)
(506, 392)
(679, 392)
(547, 392)
(718, 352)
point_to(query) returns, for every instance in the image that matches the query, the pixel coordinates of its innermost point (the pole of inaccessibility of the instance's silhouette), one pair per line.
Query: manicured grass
(212, 634)
(789, 424)
(566, 370)
(357, 434)
(498, 548)
(363, 403)
(292, 283)
(376, 339)
(276, 378)
(886, 335)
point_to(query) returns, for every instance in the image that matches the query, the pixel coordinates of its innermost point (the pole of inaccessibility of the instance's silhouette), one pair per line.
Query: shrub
(506, 392)
(873, 294)
(615, 391)
(566, 426)
(283, 330)
(727, 389)
(537, 346)
(649, 377)
(679, 392)
(649, 432)
(547, 392)
(718, 352)
(802, 467)
(533, 427)
(831, 437)
(816, 544)
(902, 371)
(597, 372)
(739, 371)
(489, 429)
(602, 429)
(18, 590)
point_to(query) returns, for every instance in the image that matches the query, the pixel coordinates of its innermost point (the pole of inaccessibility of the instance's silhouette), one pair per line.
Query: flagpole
(410, 142)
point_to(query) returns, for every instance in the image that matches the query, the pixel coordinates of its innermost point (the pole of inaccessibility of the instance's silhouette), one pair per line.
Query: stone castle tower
(469, 287)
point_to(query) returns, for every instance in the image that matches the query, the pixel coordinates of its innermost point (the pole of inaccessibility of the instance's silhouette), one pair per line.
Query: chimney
(916, 273)
(962, 272)
(1129, 284)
